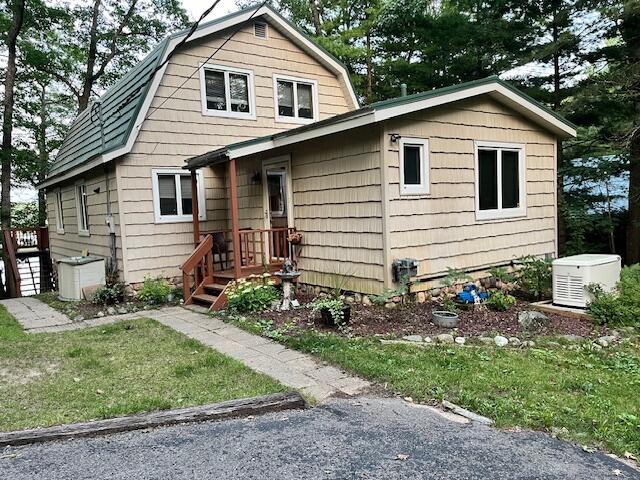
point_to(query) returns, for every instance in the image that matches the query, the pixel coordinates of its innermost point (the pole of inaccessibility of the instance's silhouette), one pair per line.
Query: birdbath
(287, 275)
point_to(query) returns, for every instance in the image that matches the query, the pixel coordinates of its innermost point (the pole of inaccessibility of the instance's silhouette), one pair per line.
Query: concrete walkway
(291, 368)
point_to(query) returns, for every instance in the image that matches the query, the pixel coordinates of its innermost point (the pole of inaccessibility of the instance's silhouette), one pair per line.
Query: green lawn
(595, 395)
(126, 367)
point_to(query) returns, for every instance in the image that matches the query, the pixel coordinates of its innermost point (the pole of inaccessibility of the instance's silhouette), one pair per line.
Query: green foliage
(155, 291)
(502, 274)
(24, 215)
(254, 294)
(621, 307)
(335, 306)
(110, 294)
(500, 301)
(449, 305)
(456, 276)
(388, 293)
(534, 276)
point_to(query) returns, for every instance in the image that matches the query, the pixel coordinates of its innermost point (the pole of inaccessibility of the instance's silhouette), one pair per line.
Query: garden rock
(460, 340)
(532, 320)
(485, 340)
(606, 340)
(122, 310)
(349, 299)
(514, 341)
(500, 341)
(436, 292)
(366, 301)
(427, 340)
(445, 338)
(100, 314)
(111, 311)
(413, 338)
(390, 305)
(528, 343)
(78, 318)
(357, 297)
(421, 297)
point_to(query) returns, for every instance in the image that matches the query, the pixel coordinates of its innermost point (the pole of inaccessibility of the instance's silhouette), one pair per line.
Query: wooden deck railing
(12, 275)
(199, 267)
(258, 247)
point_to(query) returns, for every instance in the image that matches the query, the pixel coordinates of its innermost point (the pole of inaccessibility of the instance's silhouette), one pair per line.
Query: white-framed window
(277, 188)
(59, 211)
(172, 200)
(81, 209)
(500, 180)
(295, 99)
(414, 166)
(227, 92)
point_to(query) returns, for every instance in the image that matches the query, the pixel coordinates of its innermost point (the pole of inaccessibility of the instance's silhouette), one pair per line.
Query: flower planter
(445, 319)
(327, 318)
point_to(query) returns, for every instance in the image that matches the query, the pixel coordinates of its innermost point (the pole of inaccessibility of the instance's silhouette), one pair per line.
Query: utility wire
(207, 60)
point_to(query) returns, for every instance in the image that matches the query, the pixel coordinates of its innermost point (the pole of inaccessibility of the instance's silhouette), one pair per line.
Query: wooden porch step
(215, 287)
(204, 298)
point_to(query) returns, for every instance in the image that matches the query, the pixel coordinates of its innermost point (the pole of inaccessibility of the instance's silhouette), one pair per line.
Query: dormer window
(260, 29)
(227, 92)
(296, 99)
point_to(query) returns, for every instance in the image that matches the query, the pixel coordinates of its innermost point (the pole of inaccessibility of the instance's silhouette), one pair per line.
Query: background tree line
(580, 57)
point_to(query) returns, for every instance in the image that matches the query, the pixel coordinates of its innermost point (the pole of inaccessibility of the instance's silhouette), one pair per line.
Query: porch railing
(258, 247)
(199, 268)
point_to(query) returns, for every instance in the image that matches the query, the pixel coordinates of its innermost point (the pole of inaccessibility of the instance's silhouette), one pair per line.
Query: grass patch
(122, 368)
(592, 394)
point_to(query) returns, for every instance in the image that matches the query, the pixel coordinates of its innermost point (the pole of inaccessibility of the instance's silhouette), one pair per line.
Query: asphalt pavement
(361, 438)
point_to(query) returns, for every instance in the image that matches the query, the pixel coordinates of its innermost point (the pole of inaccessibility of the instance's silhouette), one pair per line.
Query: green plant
(500, 301)
(389, 293)
(455, 276)
(252, 294)
(502, 274)
(335, 306)
(110, 294)
(534, 276)
(621, 307)
(155, 291)
(449, 305)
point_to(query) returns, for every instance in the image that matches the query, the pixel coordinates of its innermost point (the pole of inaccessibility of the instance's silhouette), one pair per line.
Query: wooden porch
(221, 256)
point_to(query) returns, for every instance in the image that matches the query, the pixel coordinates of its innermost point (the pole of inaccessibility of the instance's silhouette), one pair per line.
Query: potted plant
(333, 310)
(446, 317)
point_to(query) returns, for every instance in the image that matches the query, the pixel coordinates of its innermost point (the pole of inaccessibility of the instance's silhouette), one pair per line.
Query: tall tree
(102, 39)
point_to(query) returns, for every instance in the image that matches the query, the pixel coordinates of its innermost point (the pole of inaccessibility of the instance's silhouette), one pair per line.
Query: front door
(278, 205)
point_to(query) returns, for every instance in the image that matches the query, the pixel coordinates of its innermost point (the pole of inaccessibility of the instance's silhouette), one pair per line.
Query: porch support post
(195, 207)
(235, 225)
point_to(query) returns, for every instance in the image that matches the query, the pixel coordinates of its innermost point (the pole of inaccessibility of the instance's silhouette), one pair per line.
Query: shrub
(155, 291)
(253, 294)
(502, 274)
(335, 306)
(534, 276)
(110, 294)
(500, 301)
(621, 307)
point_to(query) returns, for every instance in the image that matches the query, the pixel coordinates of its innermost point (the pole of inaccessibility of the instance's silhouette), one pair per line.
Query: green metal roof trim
(84, 140)
(218, 154)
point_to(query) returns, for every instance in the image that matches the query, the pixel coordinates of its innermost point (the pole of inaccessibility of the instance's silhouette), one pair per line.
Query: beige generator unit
(572, 275)
(76, 273)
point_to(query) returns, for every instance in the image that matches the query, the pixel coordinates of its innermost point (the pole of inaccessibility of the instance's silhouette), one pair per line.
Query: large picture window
(172, 196)
(414, 166)
(500, 180)
(227, 92)
(296, 99)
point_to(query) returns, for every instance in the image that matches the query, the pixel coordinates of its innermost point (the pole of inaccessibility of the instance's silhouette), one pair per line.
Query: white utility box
(76, 273)
(572, 275)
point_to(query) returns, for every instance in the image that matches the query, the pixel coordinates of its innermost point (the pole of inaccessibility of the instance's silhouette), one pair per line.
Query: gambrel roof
(124, 106)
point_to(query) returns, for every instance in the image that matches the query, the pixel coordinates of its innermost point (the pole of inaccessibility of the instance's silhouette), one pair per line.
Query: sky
(195, 8)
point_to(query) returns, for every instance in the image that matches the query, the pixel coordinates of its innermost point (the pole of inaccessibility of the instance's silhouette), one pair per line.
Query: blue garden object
(470, 292)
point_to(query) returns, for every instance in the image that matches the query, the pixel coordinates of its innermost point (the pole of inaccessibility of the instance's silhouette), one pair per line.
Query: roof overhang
(204, 30)
(492, 86)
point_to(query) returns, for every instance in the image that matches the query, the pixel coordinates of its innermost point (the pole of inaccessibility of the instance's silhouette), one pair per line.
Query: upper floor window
(296, 99)
(59, 211)
(81, 208)
(172, 195)
(500, 180)
(414, 166)
(227, 92)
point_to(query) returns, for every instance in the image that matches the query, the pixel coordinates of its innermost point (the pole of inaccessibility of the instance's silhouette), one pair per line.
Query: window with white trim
(81, 209)
(296, 99)
(227, 92)
(414, 166)
(500, 180)
(172, 195)
(59, 211)
(276, 183)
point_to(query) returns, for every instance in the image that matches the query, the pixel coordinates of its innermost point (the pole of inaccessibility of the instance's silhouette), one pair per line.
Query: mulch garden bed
(415, 319)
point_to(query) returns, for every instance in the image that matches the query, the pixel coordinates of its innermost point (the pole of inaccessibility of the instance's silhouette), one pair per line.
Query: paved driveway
(344, 439)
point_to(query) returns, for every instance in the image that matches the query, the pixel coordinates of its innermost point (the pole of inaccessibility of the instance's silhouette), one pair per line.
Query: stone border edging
(463, 412)
(217, 411)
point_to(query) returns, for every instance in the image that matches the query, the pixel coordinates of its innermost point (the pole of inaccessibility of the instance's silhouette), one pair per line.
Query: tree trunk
(7, 129)
(43, 155)
(315, 15)
(89, 78)
(369, 69)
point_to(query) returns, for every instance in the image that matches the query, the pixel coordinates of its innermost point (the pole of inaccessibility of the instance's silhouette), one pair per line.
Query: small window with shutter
(260, 29)
(172, 195)
(295, 99)
(227, 92)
